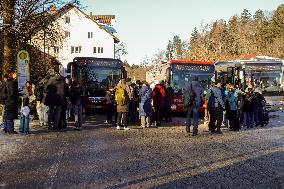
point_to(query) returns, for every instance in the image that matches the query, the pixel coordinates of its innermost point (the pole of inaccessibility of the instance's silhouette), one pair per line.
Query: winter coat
(10, 98)
(40, 90)
(52, 98)
(123, 108)
(61, 88)
(145, 108)
(232, 97)
(261, 102)
(218, 97)
(169, 97)
(76, 94)
(247, 105)
(159, 97)
(199, 91)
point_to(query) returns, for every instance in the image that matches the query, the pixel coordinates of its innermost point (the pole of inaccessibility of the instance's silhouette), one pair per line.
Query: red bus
(180, 75)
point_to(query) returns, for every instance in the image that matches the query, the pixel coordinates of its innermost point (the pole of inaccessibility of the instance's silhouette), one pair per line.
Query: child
(25, 117)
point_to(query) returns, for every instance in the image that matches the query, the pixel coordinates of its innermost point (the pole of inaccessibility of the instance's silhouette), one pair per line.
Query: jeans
(42, 111)
(157, 115)
(24, 126)
(145, 121)
(258, 116)
(122, 119)
(248, 119)
(8, 125)
(234, 120)
(54, 117)
(109, 112)
(168, 113)
(78, 115)
(195, 113)
(132, 112)
(216, 118)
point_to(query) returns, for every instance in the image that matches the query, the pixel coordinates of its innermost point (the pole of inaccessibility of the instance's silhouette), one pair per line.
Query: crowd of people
(54, 99)
(225, 104)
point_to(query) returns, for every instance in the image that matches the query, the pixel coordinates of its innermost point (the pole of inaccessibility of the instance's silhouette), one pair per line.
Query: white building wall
(79, 27)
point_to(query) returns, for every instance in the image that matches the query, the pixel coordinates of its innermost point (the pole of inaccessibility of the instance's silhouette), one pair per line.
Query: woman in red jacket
(158, 103)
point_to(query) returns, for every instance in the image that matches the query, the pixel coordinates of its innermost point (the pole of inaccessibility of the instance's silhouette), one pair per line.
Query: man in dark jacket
(56, 88)
(192, 103)
(168, 102)
(10, 99)
(76, 94)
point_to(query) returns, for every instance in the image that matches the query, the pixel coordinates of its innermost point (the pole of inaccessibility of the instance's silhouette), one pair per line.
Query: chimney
(53, 9)
(91, 14)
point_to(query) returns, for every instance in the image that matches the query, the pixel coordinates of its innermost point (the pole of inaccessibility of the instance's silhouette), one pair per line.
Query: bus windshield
(96, 79)
(182, 75)
(266, 77)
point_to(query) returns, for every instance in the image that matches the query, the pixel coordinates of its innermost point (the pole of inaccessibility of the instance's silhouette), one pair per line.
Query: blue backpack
(211, 101)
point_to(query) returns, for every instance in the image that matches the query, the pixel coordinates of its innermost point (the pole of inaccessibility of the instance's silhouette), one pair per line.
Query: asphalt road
(100, 156)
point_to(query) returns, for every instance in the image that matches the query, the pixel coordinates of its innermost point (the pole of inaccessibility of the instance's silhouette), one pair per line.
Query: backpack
(189, 97)
(211, 101)
(121, 96)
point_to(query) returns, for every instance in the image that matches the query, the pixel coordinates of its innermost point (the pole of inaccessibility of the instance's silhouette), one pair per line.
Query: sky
(146, 26)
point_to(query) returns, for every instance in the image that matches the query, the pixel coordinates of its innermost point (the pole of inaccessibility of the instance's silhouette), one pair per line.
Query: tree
(8, 8)
(22, 19)
(120, 51)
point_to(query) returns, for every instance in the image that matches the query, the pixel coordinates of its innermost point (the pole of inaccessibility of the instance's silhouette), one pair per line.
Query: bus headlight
(174, 107)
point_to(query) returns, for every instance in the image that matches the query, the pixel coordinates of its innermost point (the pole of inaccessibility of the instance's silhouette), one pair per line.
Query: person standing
(24, 126)
(42, 109)
(248, 108)
(145, 109)
(110, 106)
(158, 102)
(193, 101)
(122, 96)
(10, 99)
(215, 106)
(76, 94)
(232, 97)
(168, 102)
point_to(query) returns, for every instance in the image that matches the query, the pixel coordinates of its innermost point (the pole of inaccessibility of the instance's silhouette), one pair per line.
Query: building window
(67, 34)
(98, 50)
(90, 34)
(56, 50)
(77, 49)
(67, 19)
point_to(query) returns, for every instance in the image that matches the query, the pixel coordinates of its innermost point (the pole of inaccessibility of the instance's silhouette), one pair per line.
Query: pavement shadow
(262, 171)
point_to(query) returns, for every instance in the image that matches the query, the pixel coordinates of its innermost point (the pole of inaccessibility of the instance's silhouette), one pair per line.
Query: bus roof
(190, 62)
(92, 61)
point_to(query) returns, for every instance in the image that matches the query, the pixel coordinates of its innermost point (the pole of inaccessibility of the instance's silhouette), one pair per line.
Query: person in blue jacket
(145, 108)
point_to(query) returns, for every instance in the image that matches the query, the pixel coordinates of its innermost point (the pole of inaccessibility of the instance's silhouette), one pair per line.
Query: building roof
(69, 6)
(103, 19)
(190, 62)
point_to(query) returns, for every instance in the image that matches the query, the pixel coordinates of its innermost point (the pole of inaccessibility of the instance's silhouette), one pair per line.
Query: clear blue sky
(147, 25)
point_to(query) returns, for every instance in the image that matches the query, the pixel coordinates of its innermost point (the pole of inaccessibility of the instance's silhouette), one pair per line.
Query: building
(79, 36)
